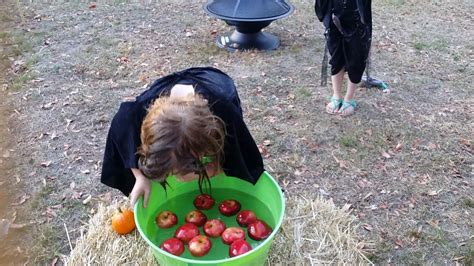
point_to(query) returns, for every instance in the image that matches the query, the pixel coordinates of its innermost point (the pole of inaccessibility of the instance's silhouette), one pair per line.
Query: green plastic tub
(265, 199)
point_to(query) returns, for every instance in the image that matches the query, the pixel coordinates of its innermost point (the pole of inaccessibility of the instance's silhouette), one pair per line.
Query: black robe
(323, 9)
(348, 41)
(242, 158)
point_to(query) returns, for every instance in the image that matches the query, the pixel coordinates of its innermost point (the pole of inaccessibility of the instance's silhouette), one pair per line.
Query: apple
(166, 219)
(214, 228)
(229, 207)
(259, 230)
(246, 217)
(239, 247)
(196, 217)
(231, 234)
(204, 202)
(199, 246)
(186, 232)
(173, 246)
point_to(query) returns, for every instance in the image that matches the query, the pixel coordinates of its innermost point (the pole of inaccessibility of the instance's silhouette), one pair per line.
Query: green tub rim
(204, 262)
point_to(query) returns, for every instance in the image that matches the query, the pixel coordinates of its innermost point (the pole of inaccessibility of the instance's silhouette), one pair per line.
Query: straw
(314, 232)
(102, 246)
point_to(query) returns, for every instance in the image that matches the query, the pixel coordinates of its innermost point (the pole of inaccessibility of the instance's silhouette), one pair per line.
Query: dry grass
(314, 232)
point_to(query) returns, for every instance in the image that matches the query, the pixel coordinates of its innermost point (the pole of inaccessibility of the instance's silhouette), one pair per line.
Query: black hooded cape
(242, 158)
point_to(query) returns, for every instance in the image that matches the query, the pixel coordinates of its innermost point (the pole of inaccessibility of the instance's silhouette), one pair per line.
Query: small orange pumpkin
(123, 222)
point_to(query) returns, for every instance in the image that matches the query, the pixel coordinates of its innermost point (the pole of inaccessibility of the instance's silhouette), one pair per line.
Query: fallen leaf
(22, 200)
(341, 163)
(432, 146)
(398, 147)
(55, 261)
(47, 106)
(267, 142)
(465, 142)
(57, 206)
(386, 155)
(87, 200)
(46, 164)
(434, 223)
(367, 227)
(434, 192)
(399, 243)
(20, 226)
(68, 122)
(263, 151)
(50, 213)
(366, 196)
(76, 195)
(416, 144)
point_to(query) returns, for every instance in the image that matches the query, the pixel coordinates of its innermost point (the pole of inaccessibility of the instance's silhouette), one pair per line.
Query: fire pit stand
(248, 17)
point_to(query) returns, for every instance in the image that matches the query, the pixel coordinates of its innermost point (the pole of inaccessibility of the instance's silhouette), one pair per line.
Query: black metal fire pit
(248, 17)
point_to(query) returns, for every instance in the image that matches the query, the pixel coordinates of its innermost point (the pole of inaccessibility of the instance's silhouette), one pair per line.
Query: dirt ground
(403, 163)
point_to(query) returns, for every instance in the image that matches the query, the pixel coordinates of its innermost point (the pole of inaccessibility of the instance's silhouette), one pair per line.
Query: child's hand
(142, 187)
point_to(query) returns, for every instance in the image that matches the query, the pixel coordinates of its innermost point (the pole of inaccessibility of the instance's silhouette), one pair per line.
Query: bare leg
(337, 91)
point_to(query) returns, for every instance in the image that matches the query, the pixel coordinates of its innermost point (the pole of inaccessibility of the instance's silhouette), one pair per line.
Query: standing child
(187, 124)
(348, 26)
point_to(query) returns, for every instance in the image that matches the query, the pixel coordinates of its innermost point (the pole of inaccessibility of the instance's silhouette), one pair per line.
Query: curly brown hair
(176, 134)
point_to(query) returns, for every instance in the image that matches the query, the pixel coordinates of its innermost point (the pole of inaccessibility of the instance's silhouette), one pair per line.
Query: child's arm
(142, 187)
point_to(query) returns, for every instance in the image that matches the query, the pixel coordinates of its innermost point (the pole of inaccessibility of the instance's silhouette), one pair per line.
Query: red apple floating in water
(246, 217)
(173, 246)
(231, 234)
(239, 247)
(204, 202)
(199, 246)
(259, 230)
(214, 228)
(229, 207)
(166, 219)
(196, 217)
(186, 232)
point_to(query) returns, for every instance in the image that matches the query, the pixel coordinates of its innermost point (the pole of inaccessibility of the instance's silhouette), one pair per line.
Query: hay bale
(313, 232)
(102, 246)
(316, 232)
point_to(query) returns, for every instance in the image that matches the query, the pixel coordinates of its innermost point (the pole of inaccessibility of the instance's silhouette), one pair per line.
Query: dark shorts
(349, 51)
